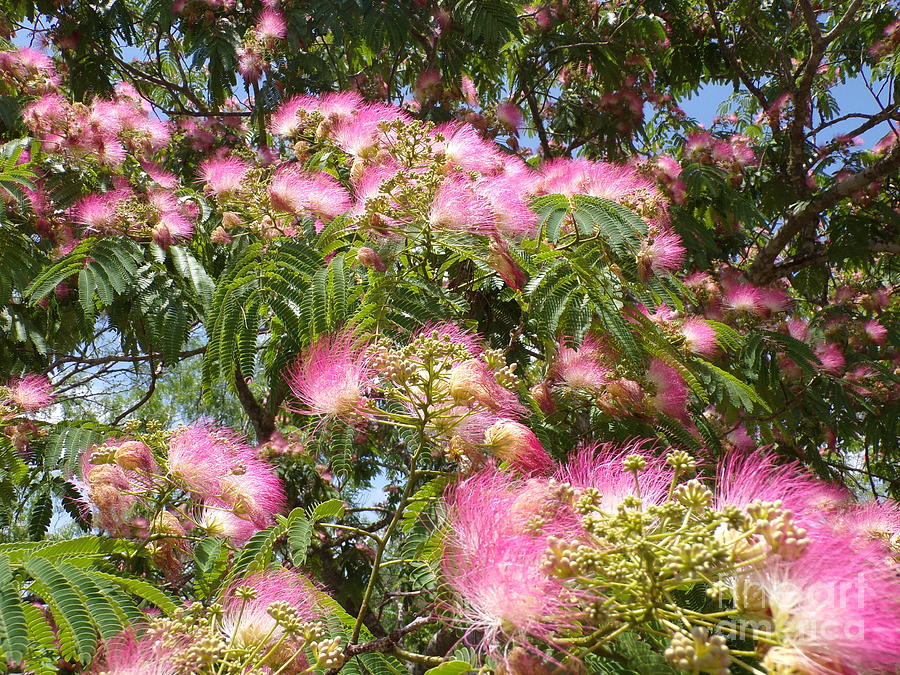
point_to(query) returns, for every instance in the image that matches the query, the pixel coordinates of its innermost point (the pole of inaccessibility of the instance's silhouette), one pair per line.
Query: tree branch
(262, 420)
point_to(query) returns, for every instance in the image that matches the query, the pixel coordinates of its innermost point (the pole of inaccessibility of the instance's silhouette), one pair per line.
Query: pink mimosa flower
(223, 176)
(671, 391)
(331, 376)
(699, 336)
(830, 356)
(30, 393)
(516, 444)
(582, 367)
(472, 380)
(303, 193)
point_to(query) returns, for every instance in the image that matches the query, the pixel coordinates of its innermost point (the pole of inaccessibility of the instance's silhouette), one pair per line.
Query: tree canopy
(435, 336)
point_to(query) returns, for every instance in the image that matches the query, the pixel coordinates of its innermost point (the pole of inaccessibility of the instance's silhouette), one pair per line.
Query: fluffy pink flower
(830, 356)
(223, 176)
(286, 120)
(248, 624)
(456, 206)
(774, 300)
(472, 380)
(671, 391)
(126, 654)
(743, 298)
(98, 211)
(832, 610)
(271, 26)
(300, 192)
(331, 376)
(875, 331)
(744, 477)
(600, 467)
(172, 226)
(493, 566)
(469, 92)
(510, 116)
(797, 328)
(202, 455)
(699, 336)
(473, 343)
(359, 134)
(582, 367)
(507, 195)
(30, 393)
(251, 64)
(516, 444)
(465, 148)
(660, 252)
(871, 522)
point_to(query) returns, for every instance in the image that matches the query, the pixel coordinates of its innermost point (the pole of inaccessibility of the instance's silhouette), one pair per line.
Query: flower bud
(367, 257)
(134, 455)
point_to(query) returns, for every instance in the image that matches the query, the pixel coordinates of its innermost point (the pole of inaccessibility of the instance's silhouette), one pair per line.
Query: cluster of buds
(699, 652)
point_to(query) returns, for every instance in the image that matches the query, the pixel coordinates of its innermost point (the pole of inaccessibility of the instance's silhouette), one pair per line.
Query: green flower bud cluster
(698, 652)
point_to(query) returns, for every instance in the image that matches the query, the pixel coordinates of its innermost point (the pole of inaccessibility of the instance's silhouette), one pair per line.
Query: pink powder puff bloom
(671, 395)
(331, 376)
(201, 455)
(359, 134)
(832, 611)
(742, 298)
(445, 330)
(30, 393)
(872, 522)
(302, 193)
(517, 445)
(47, 114)
(743, 477)
(428, 85)
(740, 439)
(469, 92)
(247, 623)
(341, 104)
(286, 120)
(507, 195)
(98, 211)
(600, 467)
(253, 490)
(270, 26)
(456, 206)
(494, 568)
(510, 116)
(581, 367)
(875, 331)
(465, 148)
(160, 176)
(472, 380)
(699, 336)
(797, 328)
(830, 357)
(251, 64)
(774, 300)
(126, 654)
(171, 228)
(223, 176)
(219, 520)
(659, 253)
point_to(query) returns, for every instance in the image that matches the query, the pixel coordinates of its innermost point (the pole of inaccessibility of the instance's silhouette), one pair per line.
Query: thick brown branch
(262, 420)
(763, 268)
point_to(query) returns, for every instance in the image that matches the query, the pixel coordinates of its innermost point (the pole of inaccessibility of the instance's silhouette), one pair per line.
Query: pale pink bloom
(219, 520)
(743, 477)
(171, 228)
(830, 357)
(251, 64)
(774, 300)
(99, 212)
(582, 367)
(126, 654)
(671, 395)
(446, 330)
(742, 298)
(271, 26)
(508, 199)
(456, 206)
(369, 185)
(659, 253)
(30, 393)
(248, 624)
(797, 328)
(871, 521)
(465, 148)
(600, 467)
(253, 489)
(46, 114)
(510, 116)
(740, 439)
(472, 380)
(428, 85)
(699, 336)
(470, 94)
(517, 445)
(305, 193)
(875, 331)
(331, 376)
(493, 566)
(223, 176)
(832, 609)
(341, 104)
(159, 175)
(359, 134)
(886, 143)
(286, 120)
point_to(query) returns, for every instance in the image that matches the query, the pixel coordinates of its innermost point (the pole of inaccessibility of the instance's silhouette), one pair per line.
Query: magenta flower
(830, 357)
(493, 566)
(331, 376)
(473, 342)
(875, 331)
(472, 380)
(582, 367)
(507, 196)
(223, 176)
(517, 445)
(98, 212)
(30, 393)
(832, 609)
(699, 336)
(600, 467)
(457, 206)
(510, 116)
(797, 328)
(270, 26)
(872, 522)
(660, 252)
(774, 300)
(248, 623)
(305, 193)
(202, 454)
(743, 298)
(671, 395)
(465, 148)
(286, 120)
(358, 134)
(127, 654)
